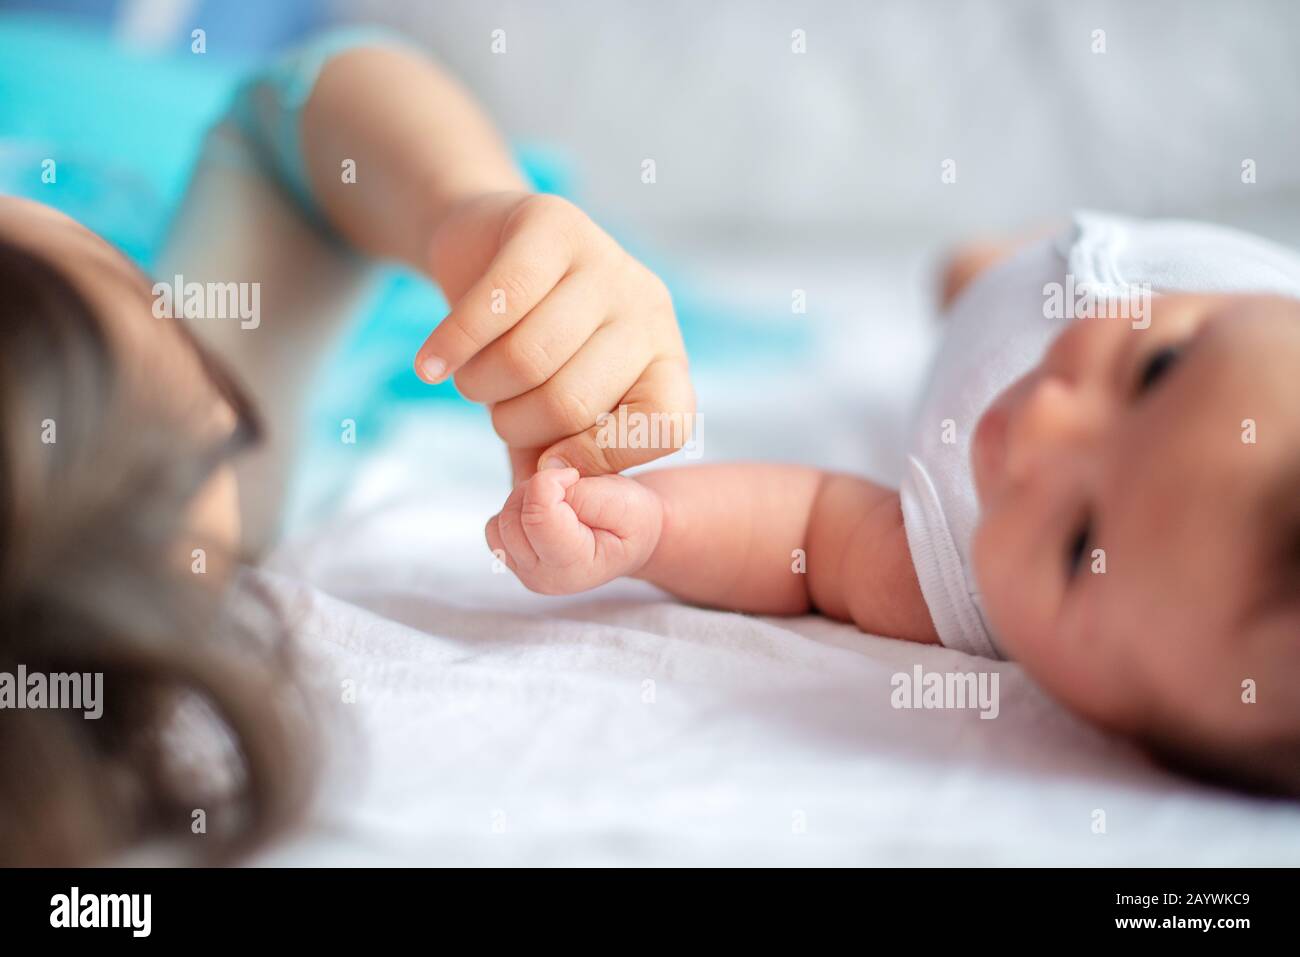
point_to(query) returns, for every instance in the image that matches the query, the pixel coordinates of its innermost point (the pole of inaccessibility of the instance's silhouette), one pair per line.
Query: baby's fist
(563, 534)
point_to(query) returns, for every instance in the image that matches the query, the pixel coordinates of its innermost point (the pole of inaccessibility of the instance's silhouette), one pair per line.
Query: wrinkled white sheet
(493, 726)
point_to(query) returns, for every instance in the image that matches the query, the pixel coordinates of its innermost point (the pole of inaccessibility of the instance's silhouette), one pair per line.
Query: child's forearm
(785, 540)
(418, 142)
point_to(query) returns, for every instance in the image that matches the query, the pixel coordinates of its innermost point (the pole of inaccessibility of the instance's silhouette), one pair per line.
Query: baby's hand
(563, 534)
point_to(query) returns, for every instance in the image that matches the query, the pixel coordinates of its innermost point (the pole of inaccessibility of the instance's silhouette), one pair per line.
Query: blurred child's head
(1139, 541)
(119, 525)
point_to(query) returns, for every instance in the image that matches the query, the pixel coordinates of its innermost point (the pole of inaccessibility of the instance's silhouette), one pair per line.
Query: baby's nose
(1046, 419)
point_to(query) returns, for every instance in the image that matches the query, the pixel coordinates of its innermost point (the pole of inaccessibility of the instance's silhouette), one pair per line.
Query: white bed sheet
(493, 726)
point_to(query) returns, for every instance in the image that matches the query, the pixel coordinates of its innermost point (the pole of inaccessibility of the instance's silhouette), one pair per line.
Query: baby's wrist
(663, 518)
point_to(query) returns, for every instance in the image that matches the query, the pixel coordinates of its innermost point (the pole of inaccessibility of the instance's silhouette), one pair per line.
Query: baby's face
(1128, 488)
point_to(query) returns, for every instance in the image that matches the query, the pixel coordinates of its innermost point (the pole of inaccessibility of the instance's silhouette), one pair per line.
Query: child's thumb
(591, 454)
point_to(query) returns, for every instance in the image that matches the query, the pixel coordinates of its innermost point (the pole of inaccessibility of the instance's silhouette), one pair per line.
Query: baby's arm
(768, 539)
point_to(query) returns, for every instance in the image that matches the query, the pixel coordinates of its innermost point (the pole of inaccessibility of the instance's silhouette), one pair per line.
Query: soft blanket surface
(620, 727)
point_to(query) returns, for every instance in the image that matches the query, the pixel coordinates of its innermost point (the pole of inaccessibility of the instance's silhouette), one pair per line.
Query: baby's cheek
(989, 560)
(1002, 582)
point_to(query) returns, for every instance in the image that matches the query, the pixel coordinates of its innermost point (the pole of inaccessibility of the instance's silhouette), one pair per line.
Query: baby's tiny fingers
(552, 528)
(513, 536)
(498, 547)
(549, 486)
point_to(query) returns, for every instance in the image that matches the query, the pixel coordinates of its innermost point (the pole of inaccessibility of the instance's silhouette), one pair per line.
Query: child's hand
(562, 534)
(553, 325)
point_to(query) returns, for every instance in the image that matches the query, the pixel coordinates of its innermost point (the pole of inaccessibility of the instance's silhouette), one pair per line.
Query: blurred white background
(821, 171)
(757, 144)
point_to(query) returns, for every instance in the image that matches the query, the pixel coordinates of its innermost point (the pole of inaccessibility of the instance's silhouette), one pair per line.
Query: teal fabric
(268, 106)
(124, 131)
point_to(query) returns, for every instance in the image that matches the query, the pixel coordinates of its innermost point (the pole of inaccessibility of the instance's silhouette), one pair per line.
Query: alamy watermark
(1131, 301)
(71, 691)
(946, 690)
(209, 300)
(133, 912)
(651, 430)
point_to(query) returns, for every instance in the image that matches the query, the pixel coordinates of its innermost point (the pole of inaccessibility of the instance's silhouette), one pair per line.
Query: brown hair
(202, 732)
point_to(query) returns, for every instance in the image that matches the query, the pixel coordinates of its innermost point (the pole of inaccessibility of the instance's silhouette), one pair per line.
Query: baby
(1103, 485)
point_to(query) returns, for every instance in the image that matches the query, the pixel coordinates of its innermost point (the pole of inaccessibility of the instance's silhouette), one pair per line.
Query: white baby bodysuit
(998, 330)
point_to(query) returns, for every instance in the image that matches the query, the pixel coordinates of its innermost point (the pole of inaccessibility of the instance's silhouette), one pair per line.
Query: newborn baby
(1103, 484)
